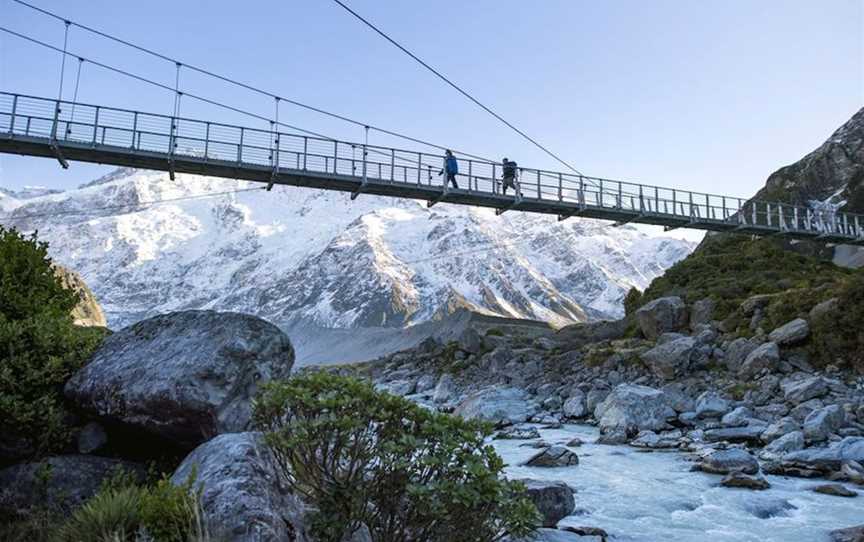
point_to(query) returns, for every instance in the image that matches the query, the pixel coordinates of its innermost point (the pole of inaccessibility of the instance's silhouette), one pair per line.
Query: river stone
(737, 352)
(726, 461)
(574, 407)
(790, 442)
(594, 397)
(837, 490)
(804, 390)
(242, 498)
(554, 500)
(71, 480)
(819, 424)
(500, 406)
(185, 376)
(632, 408)
(849, 534)
(827, 459)
(800, 412)
(662, 315)
(739, 417)
(766, 356)
(670, 359)
(711, 405)
(791, 332)
(445, 389)
(740, 480)
(554, 456)
(749, 434)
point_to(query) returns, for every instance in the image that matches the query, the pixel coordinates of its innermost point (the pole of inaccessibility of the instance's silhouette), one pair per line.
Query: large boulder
(803, 390)
(702, 312)
(732, 460)
(662, 315)
(766, 356)
(184, 376)
(791, 332)
(574, 406)
(554, 500)
(711, 405)
(576, 336)
(87, 312)
(849, 534)
(242, 497)
(632, 408)
(670, 359)
(819, 424)
(553, 456)
(790, 442)
(500, 406)
(737, 351)
(828, 459)
(62, 482)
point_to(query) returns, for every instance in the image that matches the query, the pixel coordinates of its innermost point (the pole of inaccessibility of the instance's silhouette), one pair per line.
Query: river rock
(737, 352)
(554, 500)
(670, 359)
(711, 405)
(726, 461)
(827, 459)
(746, 481)
(821, 423)
(184, 376)
(837, 490)
(445, 389)
(662, 315)
(791, 332)
(517, 433)
(849, 534)
(750, 434)
(61, 482)
(804, 390)
(554, 456)
(766, 356)
(594, 397)
(500, 406)
(790, 442)
(632, 408)
(242, 497)
(739, 417)
(574, 406)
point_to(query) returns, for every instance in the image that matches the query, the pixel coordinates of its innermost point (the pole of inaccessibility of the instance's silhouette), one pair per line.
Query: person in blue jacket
(451, 168)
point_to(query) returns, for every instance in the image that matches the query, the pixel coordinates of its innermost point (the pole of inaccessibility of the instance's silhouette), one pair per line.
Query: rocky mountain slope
(315, 262)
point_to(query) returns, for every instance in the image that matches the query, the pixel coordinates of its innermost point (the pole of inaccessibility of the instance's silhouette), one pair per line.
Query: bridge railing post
(134, 129)
(95, 125)
(419, 167)
(335, 157)
(560, 187)
(207, 142)
(305, 151)
(240, 146)
(14, 111)
(392, 165)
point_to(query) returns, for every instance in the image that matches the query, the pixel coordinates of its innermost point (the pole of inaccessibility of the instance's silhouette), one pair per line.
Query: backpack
(510, 169)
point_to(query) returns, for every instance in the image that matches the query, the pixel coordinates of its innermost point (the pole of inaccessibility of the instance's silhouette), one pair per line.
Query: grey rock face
(662, 315)
(87, 312)
(750, 433)
(792, 332)
(738, 417)
(185, 376)
(767, 356)
(726, 461)
(554, 456)
(574, 406)
(711, 405)
(670, 359)
(241, 496)
(821, 423)
(594, 397)
(737, 352)
(804, 390)
(632, 408)
(71, 480)
(445, 389)
(501, 406)
(554, 500)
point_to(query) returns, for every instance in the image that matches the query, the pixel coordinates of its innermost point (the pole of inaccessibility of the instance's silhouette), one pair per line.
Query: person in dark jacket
(451, 168)
(509, 177)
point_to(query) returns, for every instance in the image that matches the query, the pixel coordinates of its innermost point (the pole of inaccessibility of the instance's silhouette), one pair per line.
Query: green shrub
(838, 334)
(111, 514)
(41, 346)
(407, 473)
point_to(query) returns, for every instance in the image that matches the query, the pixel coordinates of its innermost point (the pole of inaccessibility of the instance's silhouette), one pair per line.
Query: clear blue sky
(707, 95)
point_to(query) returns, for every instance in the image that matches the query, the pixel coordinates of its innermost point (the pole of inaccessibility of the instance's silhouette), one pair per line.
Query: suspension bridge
(69, 131)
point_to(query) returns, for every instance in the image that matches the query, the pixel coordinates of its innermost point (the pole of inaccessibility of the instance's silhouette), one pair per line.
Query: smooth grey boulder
(631, 408)
(726, 461)
(554, 456)
(574, 406)
(849, 534)
(790, 442)
(766, 356)
(662, 315)
(594, 397)
(792, 332)
(445, 389)
(745, 481)
(500, 406)
(554, 500)
(576, 336)
(828, 459)
(819, 424)
(737, 352)
(738, 417)
(185, 376)
(750, 434)
(670, 359)
(836, 490)
(711, 405)
(804, 390)
(242, 497)
(61, 482)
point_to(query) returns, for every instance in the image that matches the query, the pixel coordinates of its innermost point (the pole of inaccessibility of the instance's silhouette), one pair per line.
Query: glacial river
(638, 496)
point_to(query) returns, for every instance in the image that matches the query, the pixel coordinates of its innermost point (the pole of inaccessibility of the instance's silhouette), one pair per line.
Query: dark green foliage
(41, 347)
(731, 268)
(364, 457)
(838, 334)
(632, 301)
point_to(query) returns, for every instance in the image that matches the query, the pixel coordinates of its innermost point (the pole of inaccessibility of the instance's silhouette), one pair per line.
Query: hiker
(451, 168)
(509, 179)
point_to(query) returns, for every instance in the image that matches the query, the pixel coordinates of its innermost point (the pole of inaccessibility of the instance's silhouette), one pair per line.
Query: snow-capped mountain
(315, 259)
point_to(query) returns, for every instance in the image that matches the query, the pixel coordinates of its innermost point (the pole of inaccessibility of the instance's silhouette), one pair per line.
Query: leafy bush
(41, 346)
(367, 458)
(838, 334)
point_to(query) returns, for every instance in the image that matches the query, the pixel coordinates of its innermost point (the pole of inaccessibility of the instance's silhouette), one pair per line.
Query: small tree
(362, 457)
(40, 347)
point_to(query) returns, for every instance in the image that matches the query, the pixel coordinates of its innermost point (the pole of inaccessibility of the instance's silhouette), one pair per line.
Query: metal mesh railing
(99, 126)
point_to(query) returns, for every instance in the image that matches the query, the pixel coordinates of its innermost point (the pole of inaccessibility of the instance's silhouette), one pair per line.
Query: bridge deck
(42, 127)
